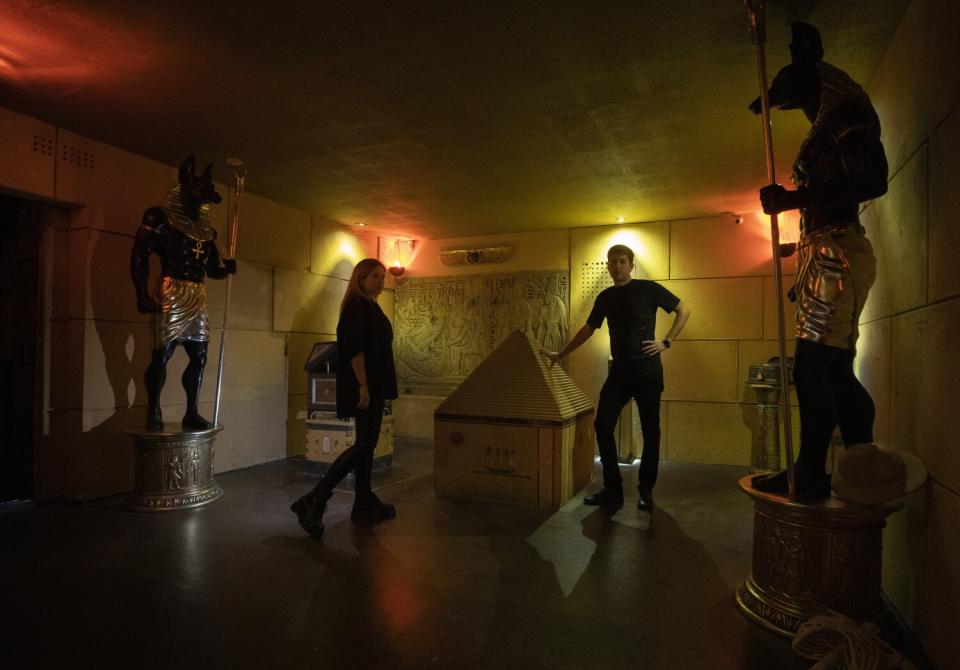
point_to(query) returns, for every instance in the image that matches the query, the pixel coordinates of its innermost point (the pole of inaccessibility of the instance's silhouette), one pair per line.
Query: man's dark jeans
(616, 392)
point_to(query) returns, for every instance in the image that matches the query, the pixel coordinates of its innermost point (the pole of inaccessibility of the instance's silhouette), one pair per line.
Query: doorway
(20, 298)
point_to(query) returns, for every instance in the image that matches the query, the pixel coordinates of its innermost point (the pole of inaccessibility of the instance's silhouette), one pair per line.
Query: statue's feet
(193, 421)
(154, 420)
(810, 486)
(775, 483)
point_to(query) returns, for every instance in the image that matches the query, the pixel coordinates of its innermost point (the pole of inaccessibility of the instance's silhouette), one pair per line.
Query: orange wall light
(396, 253)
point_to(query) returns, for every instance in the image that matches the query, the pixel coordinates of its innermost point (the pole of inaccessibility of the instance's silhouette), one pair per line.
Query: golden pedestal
(173, 470)
(812, 558)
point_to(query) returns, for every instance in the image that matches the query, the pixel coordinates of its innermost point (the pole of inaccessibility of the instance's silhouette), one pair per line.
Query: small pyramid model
(517, 384)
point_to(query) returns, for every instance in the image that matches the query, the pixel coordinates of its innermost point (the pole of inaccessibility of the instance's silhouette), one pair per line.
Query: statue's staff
(755, 12)
(239, 175)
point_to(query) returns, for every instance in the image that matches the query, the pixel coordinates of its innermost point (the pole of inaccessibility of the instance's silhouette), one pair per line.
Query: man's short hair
(620, 250)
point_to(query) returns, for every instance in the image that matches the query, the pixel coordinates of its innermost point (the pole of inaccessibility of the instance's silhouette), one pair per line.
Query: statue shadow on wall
(125, 341)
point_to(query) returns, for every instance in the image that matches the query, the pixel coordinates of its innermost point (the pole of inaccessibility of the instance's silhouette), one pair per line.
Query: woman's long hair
(360, 272)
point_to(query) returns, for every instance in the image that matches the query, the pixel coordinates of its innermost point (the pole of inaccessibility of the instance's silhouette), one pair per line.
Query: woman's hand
(364, 397)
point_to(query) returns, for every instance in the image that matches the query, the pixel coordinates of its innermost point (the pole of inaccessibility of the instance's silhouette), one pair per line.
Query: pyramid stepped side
(515, 383)
(571, 399)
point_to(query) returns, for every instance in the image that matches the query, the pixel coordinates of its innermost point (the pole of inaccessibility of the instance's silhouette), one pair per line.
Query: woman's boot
(367, 505)
(371, 507)
(310, 508)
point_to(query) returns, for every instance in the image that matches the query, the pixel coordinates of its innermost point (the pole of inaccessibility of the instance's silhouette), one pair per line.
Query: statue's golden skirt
(183, 312)
(835, 270)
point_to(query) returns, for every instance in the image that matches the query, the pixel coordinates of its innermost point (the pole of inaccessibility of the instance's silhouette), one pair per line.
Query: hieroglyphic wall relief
(445, 326)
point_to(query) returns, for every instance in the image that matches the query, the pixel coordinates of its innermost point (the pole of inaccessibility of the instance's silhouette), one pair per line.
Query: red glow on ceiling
(50, 45)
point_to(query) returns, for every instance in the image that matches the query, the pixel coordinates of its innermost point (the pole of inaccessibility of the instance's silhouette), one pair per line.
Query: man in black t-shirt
(630, 307)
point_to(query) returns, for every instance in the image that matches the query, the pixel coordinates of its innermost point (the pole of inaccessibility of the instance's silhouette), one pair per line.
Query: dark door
(20, 230)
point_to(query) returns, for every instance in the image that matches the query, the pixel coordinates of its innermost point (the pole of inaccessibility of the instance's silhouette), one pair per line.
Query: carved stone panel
(445, 326)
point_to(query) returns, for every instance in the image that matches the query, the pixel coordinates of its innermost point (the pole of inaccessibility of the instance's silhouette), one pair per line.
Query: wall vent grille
(79, 157)
(594, 277)
(43, 145)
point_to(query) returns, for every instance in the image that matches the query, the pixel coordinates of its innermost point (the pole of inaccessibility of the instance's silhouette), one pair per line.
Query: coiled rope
(839, 643)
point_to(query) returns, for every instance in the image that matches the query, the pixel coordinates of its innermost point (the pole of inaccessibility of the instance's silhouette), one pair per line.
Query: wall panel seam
(893, 175)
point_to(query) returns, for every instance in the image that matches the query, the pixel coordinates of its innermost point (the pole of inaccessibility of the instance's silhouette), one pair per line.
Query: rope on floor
(839, 643)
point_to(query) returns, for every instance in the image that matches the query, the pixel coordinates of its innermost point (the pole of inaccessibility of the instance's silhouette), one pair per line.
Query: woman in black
(365, 379)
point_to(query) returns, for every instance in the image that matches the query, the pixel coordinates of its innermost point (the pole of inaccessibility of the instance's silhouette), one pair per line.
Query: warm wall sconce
(397, 267)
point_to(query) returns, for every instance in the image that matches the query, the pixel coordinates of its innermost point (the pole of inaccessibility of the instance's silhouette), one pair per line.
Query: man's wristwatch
(666, 344)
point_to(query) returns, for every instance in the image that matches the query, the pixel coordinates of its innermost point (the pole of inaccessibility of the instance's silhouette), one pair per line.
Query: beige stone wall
(909, 358)
(292, 274)
(721, 269)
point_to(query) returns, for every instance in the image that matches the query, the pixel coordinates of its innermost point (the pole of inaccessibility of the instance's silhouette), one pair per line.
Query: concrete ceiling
(436, 119)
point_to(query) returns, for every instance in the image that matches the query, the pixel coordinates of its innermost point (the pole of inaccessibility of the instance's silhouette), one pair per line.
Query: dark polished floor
(448, 584)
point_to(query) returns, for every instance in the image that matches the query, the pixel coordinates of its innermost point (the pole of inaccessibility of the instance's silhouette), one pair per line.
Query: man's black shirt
(631, 310)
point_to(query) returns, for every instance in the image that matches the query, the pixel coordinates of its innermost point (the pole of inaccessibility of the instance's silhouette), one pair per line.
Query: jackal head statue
(194, 190)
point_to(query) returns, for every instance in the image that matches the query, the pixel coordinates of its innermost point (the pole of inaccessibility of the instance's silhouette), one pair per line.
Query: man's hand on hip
(653, 347)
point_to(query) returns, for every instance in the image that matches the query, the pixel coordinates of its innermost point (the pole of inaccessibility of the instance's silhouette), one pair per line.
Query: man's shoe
(309, 510)
(605, 497)
(371, 507)
(645, 500)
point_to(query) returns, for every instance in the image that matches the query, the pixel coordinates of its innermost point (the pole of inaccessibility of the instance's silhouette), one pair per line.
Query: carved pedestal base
(812, 558)
(173, 470)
